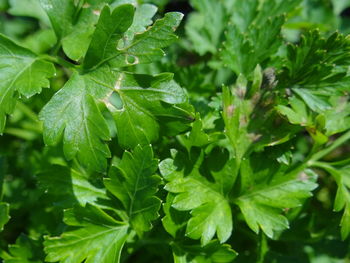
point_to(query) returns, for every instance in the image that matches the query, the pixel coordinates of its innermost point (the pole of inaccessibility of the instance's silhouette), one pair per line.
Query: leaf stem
(312, 159)
(338, 142)
(27, 111)
(60, 61)
(262, 247)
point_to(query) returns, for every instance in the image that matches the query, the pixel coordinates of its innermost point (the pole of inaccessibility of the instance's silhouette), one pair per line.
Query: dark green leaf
(93, 230)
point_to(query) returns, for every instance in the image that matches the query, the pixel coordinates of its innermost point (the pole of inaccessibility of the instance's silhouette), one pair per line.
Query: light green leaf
(210, 210)
(94, 237)
(31, 8)
(213, 252)
(21, 72)
(173, 220)
(196, 137)
(236, 113)
(134, 183)
(41, 41)
(337, 119)
(263, 207)
(297, 114)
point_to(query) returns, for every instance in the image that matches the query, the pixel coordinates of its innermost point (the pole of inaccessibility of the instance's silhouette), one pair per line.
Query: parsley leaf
(262, 204)
(134, 183)
(210, 210)
(70, 186)
(73, 113)
(92, 229)
(135, 101)
(21, 73)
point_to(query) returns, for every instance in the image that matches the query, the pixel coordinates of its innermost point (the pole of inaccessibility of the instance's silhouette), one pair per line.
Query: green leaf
(342, 199)
(73, 113)
(173, 220)
(78, 35)
(254, 34)
(297, 114)
(316, 60)
(236, 113)
(134, 183)
(210, 210)
(70, 186)
(142, 19)
(21, 72)
(74, 24)
(147, 46)
(110, 28)
(337, 119)
(340, 5)
(314, 102)
(213, 252)
(92, 229)
(26, 250)
(140, 103)
(31, 8)
(263, 206)
(137, 103)
(4, 214)
(205, 27)
(41, 41)
(196, 137)
(60, 13)
(144, 47)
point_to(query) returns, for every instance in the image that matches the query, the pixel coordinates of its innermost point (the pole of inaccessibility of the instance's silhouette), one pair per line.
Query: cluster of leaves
(238, 155)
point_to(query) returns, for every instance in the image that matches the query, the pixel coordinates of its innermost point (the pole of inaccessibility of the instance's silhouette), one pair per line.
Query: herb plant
(239, 154)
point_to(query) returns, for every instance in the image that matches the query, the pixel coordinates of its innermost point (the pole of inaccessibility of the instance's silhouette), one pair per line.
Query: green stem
(27, 111)
(338, 142)
(330, 169)
(78, 8)
(56, 48)
(22, 134)
(59, 61)
(341, 162)
(262, 247)
(323, 165)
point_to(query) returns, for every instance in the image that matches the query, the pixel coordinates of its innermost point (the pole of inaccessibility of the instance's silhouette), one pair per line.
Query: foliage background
(314, 234)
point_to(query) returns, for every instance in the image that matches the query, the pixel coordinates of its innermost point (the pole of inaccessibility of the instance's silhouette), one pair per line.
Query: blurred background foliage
(195, 61)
